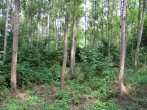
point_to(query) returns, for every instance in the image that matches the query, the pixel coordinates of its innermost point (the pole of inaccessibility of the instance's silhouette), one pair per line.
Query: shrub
(93, 62)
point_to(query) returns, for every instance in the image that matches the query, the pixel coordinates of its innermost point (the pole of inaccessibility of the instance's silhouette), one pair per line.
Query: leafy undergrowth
(96, 93)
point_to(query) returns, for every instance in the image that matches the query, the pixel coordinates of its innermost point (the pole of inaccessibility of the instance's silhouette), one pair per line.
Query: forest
(73, 54)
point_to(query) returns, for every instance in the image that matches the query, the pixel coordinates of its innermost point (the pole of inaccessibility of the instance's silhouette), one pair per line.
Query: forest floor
(94, 94)
(37, 97)
(141, 99)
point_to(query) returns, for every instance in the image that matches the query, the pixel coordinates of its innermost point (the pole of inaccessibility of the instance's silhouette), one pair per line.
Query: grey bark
(15, 47)
(65, 52)
(38, 28)
(57, 35)
(108, 32)
(121, 87)
(139, 30)
(48, 26)
(85, 23)
(6, 29)
(102, 30)
(73, 46)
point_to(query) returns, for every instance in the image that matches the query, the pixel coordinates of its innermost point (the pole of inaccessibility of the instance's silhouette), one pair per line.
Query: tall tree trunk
(11, 16)
(57, 35)
(95, 36)
(112, 22)
(48, 31)
(15, 47)
(48, 26)
(65, 51)
(3, 8)
(30, 31)
(85, 23)
(27, 41)
(38, 28)
(108, 32)
(120, 84)
(6, 29)
(139, 31)
(102, 30)
(73, 46)
(94, 39)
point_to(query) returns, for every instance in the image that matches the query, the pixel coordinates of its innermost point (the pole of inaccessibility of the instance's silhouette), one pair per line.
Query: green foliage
(2, 31)
(97, 88)
(77, 98)
(62, 96)
(4, 76)
(109, 105)
(142, 56)
(93, 62)
(56, 106)
(32, 65)
(28, 103)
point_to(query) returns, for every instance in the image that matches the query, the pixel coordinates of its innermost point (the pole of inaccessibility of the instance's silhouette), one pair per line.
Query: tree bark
(94, 23)
(57, 36)
(65, 52)
(48, 31)
(73, 46)
(6, 29)
(38, 28)
(108, 18)
(85, 23)
(30, 31)
(102, 19)
(139, 31)
(15, 47)
(48, 26)
(120, 84)
(112, 22)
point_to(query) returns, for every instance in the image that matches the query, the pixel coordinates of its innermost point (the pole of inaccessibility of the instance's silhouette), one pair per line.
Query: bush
(93, 62)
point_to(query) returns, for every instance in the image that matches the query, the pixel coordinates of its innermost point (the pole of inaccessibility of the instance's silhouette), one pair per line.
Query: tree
(65, 51)
(48, 25)
(38, 26)
(120, 84)
(15, 47)
(139, 30)
(85, 21)
(6, 29)
(73, 46)
(108, 26)
(76, 13)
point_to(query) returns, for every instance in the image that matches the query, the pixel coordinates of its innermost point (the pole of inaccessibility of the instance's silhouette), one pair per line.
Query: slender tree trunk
(15, 47)
(94, 40)
(38, 28)
(139, 31)
(85, 23)
(11, 16)
(119, 31)
(3, 8)
(48, 26)
(57, 36)
(65, 52)
(6, 29)
(73, 46)
(30, 31)
(108, 17)
(120, 84)
(95, 18)
(27, 40)
(102, 24)
(48, 31)
(112, 22)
